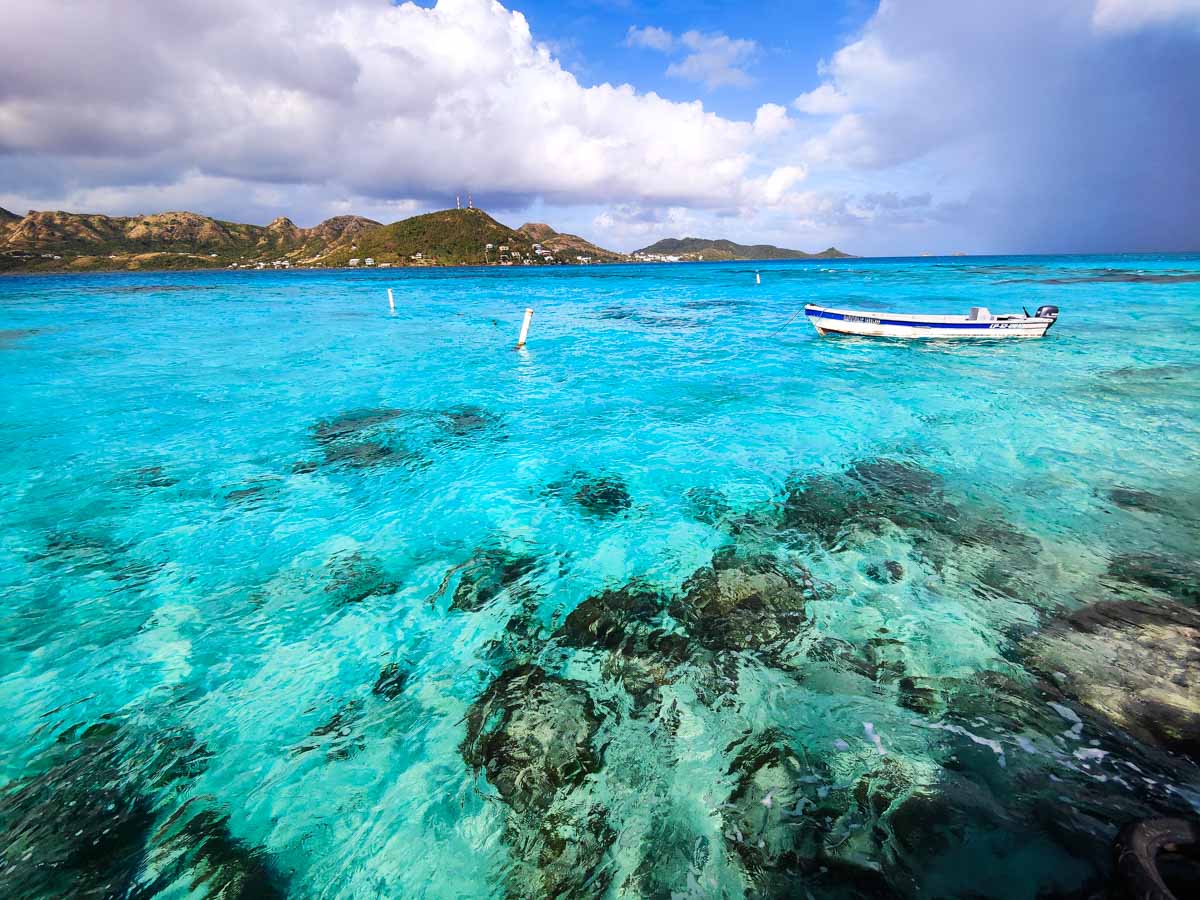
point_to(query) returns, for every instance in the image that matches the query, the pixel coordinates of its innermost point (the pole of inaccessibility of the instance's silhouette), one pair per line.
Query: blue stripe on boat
(822, 314)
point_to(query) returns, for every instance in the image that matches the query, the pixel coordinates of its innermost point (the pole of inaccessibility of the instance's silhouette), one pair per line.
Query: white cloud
(352, 98)
(650, 37)
(715, 59)
(1131, 15)
(775, 187)
(825, 100)
(771, 120)
(1056, 136)
(805, 220)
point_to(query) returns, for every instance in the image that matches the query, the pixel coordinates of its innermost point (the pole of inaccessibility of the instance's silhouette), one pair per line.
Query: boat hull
(836, 321)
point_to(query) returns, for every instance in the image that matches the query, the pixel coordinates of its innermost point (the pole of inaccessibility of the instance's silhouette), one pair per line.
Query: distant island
(692, 249)
(84, 242)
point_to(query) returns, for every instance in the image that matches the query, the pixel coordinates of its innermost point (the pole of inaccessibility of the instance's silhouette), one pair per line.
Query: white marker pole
(757, 278)
(391, 301)
(525, 328)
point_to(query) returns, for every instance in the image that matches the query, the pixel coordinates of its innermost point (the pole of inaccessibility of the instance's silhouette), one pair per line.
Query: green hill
(695, 248)
(568, 246)
(451, 237)
(85, 241)
(58, 241)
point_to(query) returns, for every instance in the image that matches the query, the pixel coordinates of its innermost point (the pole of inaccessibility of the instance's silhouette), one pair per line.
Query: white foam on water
(869, 728)
(990, 743)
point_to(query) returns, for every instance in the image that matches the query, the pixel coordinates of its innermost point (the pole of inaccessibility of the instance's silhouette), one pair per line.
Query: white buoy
(525, 328)
(757, 277)
(391, 301)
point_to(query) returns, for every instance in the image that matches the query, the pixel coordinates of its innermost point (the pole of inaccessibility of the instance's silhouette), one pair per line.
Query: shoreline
(577, 267)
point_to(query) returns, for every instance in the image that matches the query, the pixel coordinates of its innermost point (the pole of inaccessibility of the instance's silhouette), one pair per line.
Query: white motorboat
(979, 323)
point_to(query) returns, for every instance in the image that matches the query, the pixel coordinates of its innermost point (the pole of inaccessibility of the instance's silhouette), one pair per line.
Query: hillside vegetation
(451, 237)
(50, 241)
(81, 241)
(716, 250)
(568, 246)
(58, 241)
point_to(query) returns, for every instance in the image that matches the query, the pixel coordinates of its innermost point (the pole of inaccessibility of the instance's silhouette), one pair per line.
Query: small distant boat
(979, 323)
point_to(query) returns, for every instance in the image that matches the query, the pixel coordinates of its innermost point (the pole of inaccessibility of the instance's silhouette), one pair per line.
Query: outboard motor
(1047, 312)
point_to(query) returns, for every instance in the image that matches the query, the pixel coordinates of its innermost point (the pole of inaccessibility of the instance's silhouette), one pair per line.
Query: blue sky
(791, 39)
(894, 127)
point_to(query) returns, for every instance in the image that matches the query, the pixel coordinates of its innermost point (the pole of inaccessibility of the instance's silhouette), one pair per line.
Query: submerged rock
(336, 736)
(78, 829)
(354, 577)
(895, 478)
(366, 454)
(10, 336)
(251, 495)
(560, 855)
(644, 673)
(390, 683)
(627, 622)
(707, 505)
(195, 850)
(869, 493)
(1159, 858)
(789, 825)
(604, 495)
(490, 573)
(886, 658)
(532, 735)
(672, 858)
(81, 825)
(1136, 664)
(887, 572)
(918, 695)
(359, 440)
(599, 495)
(469, 422)
(1175, 576)
(613, 618)
(351, 423)
(872, 495)
(744, 603)
(822, 505)
(153, 478)
(1133, 498)
(80, 553)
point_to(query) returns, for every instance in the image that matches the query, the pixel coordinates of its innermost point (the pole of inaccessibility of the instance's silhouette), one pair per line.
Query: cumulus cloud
(1056, 135)
(650, 37)
(771, 120)
(805, 220)
(361, 98)
(714, 60)
(825, 100)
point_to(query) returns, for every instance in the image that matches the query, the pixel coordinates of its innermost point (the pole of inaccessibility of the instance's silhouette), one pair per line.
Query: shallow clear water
(286, 580)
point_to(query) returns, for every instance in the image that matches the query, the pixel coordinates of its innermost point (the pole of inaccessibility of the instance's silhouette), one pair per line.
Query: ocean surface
(303, 597)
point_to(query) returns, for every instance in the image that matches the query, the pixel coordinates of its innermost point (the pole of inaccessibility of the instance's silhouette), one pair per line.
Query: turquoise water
(289, 580)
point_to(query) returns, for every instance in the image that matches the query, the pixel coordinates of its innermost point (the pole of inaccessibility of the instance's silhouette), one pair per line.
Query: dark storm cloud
(1067, 126)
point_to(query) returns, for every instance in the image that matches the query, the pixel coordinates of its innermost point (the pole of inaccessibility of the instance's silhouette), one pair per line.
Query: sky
(883, 128)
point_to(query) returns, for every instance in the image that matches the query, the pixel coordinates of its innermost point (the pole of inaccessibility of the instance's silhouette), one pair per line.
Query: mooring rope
(787, 323)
